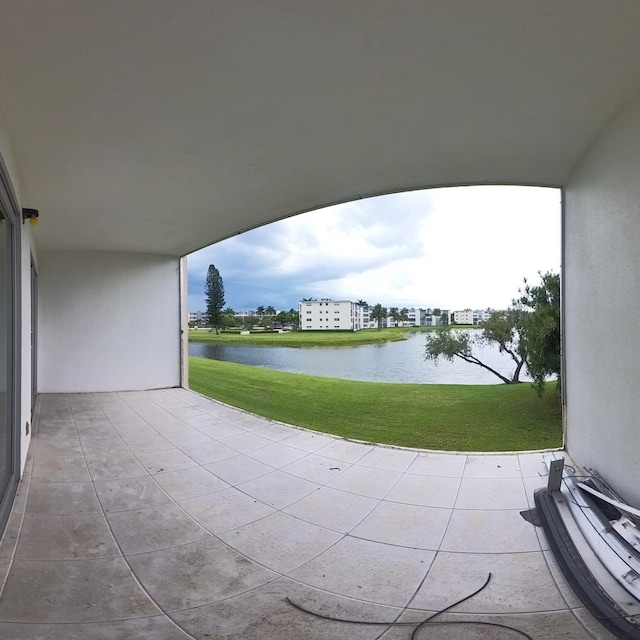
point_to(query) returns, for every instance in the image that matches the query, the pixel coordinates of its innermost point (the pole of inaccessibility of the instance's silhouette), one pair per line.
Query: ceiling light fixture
(31, 215)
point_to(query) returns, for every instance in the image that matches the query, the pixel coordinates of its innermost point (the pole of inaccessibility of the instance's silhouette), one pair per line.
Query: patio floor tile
(190, 483)
(73, 591)
(69, 537)
(130, 493)
(485, 531)
(226, 510)
(154, 528)
(366, 570)
(278, 489)
(333, 509)
(405, 525)
(366, 481)
(426, 491)
(62, 498)
(196, 574)
(491, 493)
(520, 582)
(281, 542)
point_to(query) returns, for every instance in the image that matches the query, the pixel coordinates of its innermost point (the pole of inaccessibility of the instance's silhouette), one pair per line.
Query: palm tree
(269, 314)
(362, 303)
(228, 318)
(379, 313)
(398, 316)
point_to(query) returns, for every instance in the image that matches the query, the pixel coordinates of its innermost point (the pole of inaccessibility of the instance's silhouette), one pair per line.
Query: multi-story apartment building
(419, 317)
(330, 315)
(470, 316)
(432, 319)
(416, 317)
(198, 319)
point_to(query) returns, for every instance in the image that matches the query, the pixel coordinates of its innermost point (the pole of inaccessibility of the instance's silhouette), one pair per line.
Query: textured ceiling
(165, 125)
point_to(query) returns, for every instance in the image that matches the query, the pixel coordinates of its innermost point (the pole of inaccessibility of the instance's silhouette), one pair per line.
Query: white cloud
(453, 248)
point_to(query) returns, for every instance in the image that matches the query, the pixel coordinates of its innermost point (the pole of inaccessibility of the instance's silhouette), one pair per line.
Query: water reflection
(389, 362)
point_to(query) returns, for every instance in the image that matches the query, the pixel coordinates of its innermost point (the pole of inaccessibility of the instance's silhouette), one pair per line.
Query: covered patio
(143, 130)
(166, 515)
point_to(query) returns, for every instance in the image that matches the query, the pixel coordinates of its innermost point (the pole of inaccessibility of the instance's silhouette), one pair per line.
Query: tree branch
(473, 360)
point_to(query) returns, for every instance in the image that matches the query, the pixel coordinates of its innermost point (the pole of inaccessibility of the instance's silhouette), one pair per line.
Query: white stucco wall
(28, 249)
(184, 323)
(602, 305)
(108, 321)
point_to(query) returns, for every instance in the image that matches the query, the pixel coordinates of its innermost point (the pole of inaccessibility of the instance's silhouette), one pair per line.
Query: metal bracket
(555, 474)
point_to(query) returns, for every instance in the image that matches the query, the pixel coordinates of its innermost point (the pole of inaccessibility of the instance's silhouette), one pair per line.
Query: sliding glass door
(34, 337)
(7, 365)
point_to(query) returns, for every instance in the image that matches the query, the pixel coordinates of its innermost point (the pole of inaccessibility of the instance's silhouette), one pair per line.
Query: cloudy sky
(451, 248)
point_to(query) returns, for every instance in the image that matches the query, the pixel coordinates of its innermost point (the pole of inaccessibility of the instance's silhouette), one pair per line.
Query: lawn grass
(444, 417)
(300, 338)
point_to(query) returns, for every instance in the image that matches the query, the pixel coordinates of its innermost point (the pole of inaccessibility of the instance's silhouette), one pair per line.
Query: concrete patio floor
(168, 516)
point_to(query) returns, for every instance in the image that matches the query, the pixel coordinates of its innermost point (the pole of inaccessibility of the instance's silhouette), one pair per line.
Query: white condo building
(330, 315)
(470, 316)
(198, 319)
(416, 317)
(419, 317)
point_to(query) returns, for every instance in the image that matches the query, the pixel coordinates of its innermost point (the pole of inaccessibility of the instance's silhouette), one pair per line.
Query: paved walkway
(165, 515)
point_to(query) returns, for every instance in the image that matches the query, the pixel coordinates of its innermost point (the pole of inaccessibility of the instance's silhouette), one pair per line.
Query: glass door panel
(6, 355)
(34, 337)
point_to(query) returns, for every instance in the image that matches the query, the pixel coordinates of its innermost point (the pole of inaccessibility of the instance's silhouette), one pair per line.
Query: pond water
(389, 362)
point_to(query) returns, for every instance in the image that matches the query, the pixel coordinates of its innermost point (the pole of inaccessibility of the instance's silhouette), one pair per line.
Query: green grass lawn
(445, 417)
(300, 338)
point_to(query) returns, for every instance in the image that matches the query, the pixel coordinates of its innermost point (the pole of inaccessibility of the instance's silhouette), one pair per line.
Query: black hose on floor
(421, 625)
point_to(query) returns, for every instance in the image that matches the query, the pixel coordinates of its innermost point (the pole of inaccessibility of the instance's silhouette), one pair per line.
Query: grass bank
(446, 417)
(301, 338)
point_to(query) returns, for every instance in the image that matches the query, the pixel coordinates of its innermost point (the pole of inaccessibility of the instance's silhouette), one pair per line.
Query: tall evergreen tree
(214, 293)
